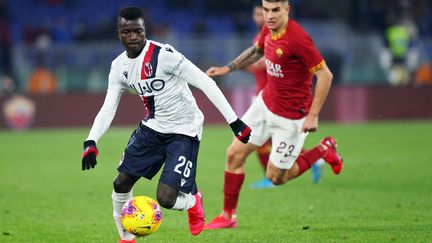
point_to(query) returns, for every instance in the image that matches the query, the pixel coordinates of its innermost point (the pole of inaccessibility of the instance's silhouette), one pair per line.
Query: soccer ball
(141, 216)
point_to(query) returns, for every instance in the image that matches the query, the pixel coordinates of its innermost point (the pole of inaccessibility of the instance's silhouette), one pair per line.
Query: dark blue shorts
(147, 150)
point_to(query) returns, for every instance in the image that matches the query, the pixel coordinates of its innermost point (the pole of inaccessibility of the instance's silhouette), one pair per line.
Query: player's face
(275, 14)
(132, 35)
(258, 16)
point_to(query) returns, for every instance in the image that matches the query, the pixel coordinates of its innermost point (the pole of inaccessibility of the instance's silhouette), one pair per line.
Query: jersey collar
(277, 36)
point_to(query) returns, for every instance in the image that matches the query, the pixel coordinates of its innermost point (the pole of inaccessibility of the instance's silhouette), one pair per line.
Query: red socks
(233, 182)
(232, 186)
(263, 153)
(308, 158)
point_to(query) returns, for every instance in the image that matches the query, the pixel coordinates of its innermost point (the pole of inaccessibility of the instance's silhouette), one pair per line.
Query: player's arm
(195, 77)
(258, 65)
(246, 58)
(105, 115)
(324, 79)
(102, 121)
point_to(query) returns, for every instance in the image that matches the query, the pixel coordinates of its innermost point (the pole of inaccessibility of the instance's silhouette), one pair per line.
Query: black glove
(89, 155)
(241, 130)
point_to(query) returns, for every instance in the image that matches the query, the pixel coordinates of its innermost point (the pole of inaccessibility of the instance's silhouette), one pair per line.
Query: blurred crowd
(69, 20)
(43, 22)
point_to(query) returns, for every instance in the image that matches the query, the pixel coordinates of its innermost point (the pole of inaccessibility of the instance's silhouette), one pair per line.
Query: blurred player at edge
(285, 110)
(170, 132)
(258, 69)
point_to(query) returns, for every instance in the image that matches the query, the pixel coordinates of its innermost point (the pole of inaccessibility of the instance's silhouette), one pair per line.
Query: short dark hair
(131, 13)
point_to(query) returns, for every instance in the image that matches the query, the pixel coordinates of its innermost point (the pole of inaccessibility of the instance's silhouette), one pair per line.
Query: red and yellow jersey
(291, 60)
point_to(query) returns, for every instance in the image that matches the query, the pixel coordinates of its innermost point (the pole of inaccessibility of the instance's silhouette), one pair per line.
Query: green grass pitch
(384, 193)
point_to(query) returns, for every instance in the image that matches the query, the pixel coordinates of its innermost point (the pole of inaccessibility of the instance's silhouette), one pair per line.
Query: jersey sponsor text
(274, 69)
(148, 86)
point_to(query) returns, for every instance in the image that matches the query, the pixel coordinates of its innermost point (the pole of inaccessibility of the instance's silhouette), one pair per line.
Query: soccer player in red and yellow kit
(285, 110)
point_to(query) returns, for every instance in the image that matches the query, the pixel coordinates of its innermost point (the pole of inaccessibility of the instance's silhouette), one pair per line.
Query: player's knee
(276, 178)
(166, 201)
(120, 186)
(235, 157)
(166, 195)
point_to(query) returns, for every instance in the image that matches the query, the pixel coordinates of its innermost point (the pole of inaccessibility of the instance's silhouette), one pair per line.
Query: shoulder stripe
(150, 62)
(317, 67)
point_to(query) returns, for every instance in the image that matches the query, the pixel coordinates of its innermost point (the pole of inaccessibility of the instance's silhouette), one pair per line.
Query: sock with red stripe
(232, 186)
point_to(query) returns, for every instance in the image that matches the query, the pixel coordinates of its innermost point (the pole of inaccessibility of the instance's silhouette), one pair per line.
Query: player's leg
(122, 192)
(237, 153)
(285, 164)
(263, 154)
(287, 146)
(143, 157)
(288, 160)
(235, 166)
(235, 173)
(316, 168)
(177, 187)
(325, 151)
(280, 174)
(171, 198)
(166, 195)
(233, 180)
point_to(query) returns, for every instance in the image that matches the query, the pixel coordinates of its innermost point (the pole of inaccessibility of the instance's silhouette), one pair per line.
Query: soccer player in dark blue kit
(170, 133)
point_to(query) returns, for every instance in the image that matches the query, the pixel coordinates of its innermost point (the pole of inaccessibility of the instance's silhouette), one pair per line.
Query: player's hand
(217, 71)
(241, 130)
(89, 155)
(310, 124)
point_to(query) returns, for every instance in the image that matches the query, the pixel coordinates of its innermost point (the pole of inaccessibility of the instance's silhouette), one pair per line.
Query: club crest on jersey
(279, 52)
(148, 69)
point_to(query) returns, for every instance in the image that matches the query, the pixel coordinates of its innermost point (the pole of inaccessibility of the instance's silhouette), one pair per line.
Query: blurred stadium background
(58, 53)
